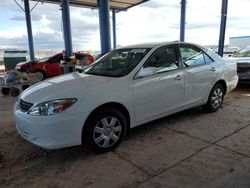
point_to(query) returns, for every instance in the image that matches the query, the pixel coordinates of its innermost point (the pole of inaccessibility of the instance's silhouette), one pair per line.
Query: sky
(153, 21)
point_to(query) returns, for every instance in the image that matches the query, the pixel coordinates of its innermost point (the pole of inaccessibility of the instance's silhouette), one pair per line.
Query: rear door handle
(178, 77)
(213, 69)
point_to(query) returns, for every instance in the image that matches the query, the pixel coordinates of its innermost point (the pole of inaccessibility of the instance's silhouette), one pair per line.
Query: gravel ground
(188, 149)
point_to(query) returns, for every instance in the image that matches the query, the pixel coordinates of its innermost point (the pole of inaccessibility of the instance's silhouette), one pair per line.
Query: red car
(50, 66)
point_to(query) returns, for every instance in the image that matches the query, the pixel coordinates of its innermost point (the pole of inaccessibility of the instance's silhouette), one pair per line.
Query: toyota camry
(125, 88)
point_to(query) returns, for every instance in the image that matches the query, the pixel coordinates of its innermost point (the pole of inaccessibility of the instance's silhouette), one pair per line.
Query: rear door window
(192, 56)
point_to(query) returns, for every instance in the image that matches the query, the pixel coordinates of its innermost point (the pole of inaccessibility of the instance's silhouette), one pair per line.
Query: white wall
(240, 41)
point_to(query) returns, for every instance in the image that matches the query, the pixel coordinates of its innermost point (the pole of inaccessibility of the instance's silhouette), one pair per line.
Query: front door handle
(178, 77)
(213, 69)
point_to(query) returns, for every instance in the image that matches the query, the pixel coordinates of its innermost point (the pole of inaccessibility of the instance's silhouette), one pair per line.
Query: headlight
(51, 107)
(18, 67)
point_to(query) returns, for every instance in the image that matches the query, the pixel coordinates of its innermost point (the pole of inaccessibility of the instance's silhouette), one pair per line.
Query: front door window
(163, 59)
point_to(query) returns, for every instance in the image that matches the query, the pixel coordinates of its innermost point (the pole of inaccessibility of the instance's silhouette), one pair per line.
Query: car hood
(26, 63)
(71, 85)
(22, 63)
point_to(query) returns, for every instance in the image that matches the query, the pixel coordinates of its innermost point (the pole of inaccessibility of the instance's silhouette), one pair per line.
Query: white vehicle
(125, 88)
(242, 59)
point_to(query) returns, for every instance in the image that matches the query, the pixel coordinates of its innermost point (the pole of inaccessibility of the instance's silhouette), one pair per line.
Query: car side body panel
(158, 94)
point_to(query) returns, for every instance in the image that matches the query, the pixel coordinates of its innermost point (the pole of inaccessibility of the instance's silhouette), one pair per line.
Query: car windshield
(243, 53)
(44, 58)
(118, 62)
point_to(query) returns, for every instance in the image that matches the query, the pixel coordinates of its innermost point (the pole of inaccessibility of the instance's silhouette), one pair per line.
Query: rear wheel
(5, 91)
(105, 130)
(215, 99)
(40, 75)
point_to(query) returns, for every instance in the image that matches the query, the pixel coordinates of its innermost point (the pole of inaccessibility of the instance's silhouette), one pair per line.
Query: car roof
(158, 44)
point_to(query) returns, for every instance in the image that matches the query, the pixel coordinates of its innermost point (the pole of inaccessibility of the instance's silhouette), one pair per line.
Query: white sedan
(125, 88)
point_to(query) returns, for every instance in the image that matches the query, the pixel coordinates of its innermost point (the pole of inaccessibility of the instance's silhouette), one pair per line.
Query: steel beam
(183, 20)
(114, 27)
(223, 22)
(66, 27)
(104, 9)
(29, 29)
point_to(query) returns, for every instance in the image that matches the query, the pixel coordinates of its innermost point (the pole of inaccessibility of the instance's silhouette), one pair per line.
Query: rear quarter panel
(230, 74)
(228, 70)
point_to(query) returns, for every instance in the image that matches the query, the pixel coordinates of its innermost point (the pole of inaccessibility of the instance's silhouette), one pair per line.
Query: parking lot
(188, 149)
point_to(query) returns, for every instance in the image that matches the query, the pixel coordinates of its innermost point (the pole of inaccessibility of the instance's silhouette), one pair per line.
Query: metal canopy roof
(114, 4)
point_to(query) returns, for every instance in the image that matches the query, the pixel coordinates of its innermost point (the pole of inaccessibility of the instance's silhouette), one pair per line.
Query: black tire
(5, 91)
(14, 92)
(40, 75)
(215, 99)
(96, 134)
(25, 86)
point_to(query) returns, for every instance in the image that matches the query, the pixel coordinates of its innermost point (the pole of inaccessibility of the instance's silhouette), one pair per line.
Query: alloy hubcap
(107, 132)
(39, 75)
(217, 98)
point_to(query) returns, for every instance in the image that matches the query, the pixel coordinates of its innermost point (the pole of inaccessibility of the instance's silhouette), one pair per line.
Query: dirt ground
(188, 149)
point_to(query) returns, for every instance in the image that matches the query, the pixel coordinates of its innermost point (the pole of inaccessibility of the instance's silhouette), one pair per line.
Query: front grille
(25, 106)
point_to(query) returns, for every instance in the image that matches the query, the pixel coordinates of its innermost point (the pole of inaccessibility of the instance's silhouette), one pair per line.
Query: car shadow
(165, 122)
(66, 156)
(243, 87)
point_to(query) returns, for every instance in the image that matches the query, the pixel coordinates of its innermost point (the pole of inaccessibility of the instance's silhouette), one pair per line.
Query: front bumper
(50, 132)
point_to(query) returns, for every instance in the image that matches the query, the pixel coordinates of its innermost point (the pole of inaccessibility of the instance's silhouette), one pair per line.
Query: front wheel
(215, 99)
(105, 130)
(40, 75)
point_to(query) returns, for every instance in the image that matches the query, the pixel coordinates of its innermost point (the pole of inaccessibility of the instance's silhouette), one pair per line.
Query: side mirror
(145, 72)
